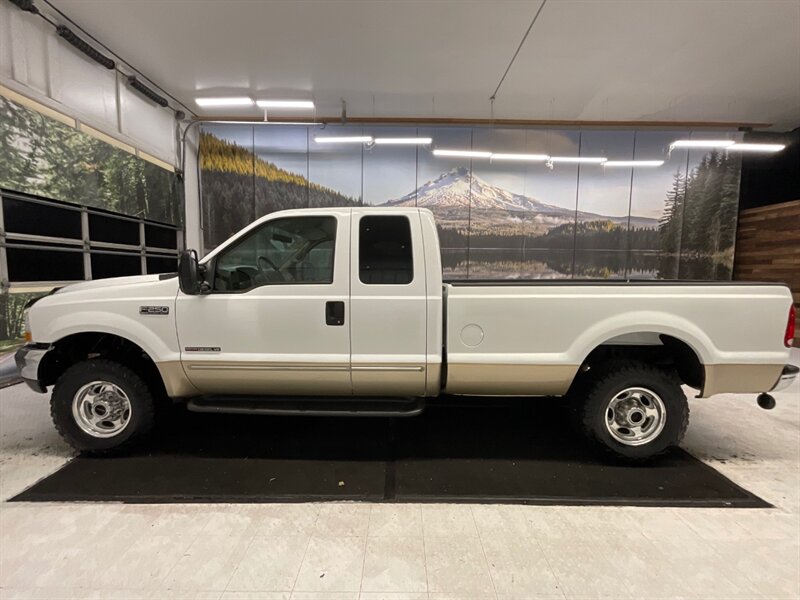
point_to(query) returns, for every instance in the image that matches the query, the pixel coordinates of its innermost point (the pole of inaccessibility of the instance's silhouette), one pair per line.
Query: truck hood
(138, 308)
(115, 282)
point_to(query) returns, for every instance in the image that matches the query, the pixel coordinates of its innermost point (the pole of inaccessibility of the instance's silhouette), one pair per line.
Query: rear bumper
(28, 359)
(788, 375)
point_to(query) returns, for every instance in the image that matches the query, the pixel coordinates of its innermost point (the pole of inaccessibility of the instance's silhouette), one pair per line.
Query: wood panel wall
(768, 248)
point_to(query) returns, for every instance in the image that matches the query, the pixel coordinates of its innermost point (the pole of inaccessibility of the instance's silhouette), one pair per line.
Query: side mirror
(189, 274)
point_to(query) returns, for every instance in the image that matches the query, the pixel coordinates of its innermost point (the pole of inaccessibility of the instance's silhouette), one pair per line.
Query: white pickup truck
(343, 311)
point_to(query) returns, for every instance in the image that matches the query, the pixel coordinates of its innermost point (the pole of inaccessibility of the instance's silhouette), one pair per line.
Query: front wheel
(99, 406)
(634, 410)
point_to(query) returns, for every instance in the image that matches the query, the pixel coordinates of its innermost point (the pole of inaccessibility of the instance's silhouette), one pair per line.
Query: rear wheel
(634, 410)
(100, 406)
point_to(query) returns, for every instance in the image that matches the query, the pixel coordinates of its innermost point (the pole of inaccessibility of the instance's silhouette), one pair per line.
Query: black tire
(599, 391)
(142, 412)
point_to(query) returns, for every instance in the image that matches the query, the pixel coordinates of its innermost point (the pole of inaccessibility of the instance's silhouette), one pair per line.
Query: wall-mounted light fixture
(739, 147)
(521, 157)
(461, 153)
(701, 144)
(633, 163)
(578, 159)
(69, 36)
(419, 141)
(347, 139)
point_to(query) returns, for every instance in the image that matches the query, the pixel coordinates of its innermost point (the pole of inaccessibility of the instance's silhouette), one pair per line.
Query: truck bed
(530, 337)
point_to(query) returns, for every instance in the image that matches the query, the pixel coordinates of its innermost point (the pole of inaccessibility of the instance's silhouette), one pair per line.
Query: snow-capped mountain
(451, 190)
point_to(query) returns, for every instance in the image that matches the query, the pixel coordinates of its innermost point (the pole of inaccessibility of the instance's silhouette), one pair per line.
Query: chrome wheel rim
(635, 416)
(101, 409)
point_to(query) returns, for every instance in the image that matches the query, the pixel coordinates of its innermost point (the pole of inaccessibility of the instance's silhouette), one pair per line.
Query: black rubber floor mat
(459, 450)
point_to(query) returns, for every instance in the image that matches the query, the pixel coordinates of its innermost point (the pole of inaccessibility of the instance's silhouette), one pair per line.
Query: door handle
(334, 313)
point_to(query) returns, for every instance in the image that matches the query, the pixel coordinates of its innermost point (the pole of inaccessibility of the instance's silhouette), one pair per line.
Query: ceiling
(670, 60)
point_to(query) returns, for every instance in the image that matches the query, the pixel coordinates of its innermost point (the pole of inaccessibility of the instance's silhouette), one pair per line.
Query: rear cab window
(385, 255)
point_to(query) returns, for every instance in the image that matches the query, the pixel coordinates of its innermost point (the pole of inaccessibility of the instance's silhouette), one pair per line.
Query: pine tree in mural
(39, 155)
(239, 187)
(669, 227)
(19, 156)
(698, 225)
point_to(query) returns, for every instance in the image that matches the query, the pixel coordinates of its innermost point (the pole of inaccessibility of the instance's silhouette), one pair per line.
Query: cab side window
(384, 253)
(293, 250)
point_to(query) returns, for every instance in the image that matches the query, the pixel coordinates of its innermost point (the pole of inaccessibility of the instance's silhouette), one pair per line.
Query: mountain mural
(492, 207)
(485, 230)
(464, 204)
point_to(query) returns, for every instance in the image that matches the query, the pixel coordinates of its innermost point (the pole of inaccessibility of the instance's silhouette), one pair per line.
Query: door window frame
(211, 265)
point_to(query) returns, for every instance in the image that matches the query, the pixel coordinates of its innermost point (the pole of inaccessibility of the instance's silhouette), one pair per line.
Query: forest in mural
(39, 155)
(12, 307)
(245, 187)
(496, 221)
(699, 220)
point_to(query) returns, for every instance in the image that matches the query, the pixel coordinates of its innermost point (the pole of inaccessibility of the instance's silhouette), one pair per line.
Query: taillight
(787, 340)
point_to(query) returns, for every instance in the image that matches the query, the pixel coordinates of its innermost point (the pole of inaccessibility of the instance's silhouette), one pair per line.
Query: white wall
(37, 63)
(191, 188)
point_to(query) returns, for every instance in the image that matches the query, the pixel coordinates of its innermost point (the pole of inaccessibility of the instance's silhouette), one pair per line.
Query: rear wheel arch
(653, 347)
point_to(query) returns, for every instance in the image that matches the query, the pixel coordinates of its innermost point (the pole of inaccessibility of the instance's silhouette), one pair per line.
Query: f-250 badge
(154, 310)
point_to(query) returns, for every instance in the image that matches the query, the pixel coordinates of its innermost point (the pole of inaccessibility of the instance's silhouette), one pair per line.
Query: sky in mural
(391, 172)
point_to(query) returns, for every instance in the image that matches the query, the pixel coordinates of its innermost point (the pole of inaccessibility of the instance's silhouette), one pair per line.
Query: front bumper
(788, 375)
(28, 359)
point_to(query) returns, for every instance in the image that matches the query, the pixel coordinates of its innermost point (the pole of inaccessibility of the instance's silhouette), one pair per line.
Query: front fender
(147, 339)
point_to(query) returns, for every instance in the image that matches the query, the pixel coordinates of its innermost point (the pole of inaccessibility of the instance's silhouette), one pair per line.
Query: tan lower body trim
(175, 380)
(388, 379)
(433, 379)
(740, 379)
(269, 378)
(511, 380)
(262, 367)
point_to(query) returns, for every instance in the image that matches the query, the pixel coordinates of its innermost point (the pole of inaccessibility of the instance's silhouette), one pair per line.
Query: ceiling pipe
(544, 123)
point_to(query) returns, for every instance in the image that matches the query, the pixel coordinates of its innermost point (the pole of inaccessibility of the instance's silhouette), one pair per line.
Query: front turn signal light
(27, 336)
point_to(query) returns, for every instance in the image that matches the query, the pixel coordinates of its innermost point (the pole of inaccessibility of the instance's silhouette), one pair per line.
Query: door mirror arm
(205, 287)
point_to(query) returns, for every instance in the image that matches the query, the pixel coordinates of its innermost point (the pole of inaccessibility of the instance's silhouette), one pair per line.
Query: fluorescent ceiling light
(578, 159)
(347, 139)
(309, 104)
(237, 101)
(531, 157)
(633, 163)
(408, 140)
(303, 123)
(701, 143)
(737, 147)
(462, 153)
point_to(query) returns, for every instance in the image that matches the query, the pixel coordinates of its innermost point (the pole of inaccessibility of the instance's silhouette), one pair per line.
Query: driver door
(276, 320)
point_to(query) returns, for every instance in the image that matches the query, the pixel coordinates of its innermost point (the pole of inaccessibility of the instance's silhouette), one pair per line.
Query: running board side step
(350, 406)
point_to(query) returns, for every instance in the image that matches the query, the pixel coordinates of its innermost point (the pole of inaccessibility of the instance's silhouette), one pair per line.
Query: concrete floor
(341, 550)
